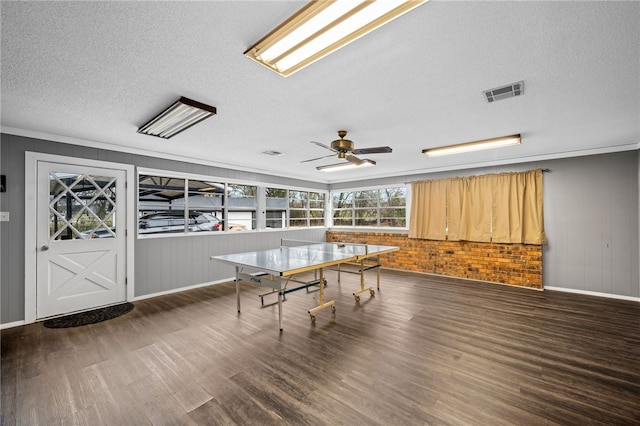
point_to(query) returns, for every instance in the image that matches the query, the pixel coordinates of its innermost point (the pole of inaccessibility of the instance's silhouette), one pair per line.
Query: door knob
(44, 248)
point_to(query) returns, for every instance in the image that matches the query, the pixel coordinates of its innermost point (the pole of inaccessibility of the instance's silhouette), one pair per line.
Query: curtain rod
(543, 171)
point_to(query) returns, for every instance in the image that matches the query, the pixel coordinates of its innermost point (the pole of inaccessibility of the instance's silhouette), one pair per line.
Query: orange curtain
(475, 218)
(507, 208)
(455, 196)
(533, 222)
(428, 210)
(503, 208)
(518, 208)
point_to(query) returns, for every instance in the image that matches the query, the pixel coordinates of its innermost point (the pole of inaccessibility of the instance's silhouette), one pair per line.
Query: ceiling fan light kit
(322, 27)
(177, 118)
(473, 146)
(345, 166)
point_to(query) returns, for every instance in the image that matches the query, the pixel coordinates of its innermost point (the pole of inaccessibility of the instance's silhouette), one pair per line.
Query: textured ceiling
(92, 72)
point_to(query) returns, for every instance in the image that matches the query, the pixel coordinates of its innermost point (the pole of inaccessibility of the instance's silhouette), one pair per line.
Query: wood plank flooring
(424, 350)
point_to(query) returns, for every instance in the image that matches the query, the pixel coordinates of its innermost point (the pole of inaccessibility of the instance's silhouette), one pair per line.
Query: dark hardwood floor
(425, 350)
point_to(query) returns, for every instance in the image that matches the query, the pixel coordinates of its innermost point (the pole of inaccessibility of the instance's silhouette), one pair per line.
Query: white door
(81, 237)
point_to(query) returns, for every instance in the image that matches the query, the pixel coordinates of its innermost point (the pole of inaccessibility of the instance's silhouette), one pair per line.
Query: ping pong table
(277, 268)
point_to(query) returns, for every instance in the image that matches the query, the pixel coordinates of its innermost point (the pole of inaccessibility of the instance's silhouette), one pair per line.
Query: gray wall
(161, 264)
(591, 219)
(591, 216)
(164, 264)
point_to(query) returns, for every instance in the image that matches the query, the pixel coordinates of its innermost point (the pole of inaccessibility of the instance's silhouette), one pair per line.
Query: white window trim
(369, 188)
(260, 201)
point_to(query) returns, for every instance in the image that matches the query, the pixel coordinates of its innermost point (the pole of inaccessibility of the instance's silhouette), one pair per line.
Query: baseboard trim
(178, 290)
(12, 324)
(593, 293)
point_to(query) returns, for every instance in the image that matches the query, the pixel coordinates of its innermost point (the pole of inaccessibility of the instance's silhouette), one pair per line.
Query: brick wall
(514, 264)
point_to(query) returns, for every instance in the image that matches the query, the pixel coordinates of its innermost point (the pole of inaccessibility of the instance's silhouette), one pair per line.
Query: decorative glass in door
(81, 206)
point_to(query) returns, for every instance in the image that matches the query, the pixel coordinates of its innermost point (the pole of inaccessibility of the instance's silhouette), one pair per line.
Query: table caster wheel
(333, 309)
(357, 299)
(373, 293)
(313, 319)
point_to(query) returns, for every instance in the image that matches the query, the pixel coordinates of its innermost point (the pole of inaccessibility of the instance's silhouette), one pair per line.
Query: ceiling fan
(345, 149)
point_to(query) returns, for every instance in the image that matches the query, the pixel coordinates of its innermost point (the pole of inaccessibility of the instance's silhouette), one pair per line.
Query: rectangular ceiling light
(177, 118)
(473, 146)
(345, 166)
(322, 27)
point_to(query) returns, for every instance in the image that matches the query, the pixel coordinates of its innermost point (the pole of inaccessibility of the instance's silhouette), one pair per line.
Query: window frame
(259, 213)
(307, 208)
(354, 208)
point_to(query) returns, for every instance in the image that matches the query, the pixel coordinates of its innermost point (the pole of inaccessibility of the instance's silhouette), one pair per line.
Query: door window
(81, 206)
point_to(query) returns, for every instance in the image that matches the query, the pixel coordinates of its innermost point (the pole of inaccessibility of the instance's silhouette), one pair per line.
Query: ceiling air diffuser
(504, 92)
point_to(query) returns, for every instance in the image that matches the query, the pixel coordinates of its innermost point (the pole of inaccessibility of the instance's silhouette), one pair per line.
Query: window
(186, 205)
(181, 205)
(316, 209)
(276, 207)
(306, 208)
(205, 204)
(295, 207)
(393, 207)
(385, 207)
(242, 207)
(298, 212)
(81, 206)
(342, 208)
(161, 206)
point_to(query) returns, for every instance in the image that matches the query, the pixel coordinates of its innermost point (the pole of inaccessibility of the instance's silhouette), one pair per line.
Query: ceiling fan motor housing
(342, 146)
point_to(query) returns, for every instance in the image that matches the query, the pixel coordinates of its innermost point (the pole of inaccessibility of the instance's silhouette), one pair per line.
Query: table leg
(321, 286)
(371, 291)
(322, 304)
(280, 308)
(238, 287)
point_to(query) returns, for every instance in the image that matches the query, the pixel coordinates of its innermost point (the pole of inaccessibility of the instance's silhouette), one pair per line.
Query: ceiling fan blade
(375, 150)
(318, 158)
(353, 159)
(324, 146)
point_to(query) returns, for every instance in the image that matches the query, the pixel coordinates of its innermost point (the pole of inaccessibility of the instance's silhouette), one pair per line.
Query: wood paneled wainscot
(513, 264)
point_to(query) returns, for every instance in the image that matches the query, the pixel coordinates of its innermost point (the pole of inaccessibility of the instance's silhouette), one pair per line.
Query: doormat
(89, 317)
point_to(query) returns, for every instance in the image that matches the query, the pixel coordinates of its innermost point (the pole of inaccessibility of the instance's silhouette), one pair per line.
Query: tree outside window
(385, 207)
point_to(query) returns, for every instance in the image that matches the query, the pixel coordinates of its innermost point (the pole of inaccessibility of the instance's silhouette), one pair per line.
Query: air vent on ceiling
(504, 92)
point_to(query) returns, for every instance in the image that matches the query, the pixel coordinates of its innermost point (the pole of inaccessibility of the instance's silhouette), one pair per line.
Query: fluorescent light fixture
(322, 27)
(346, 166)
(473, 146)
(178, 117)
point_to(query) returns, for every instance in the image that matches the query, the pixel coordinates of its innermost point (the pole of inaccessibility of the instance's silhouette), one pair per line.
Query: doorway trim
(30, 202)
